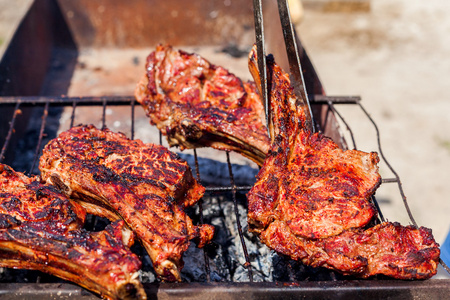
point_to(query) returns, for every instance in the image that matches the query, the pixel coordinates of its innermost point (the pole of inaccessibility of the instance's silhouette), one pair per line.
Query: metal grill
(232, 266)
(234, 192)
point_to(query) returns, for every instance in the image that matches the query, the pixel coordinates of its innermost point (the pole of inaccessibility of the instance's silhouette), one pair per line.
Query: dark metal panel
(356, 289)
(29, 62)
(27, 59)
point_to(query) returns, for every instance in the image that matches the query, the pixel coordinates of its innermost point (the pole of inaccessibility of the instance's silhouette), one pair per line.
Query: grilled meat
(311, 199)
(144, 184)
(197, 104)
(41, 229)
(387, 248)
(306, 180)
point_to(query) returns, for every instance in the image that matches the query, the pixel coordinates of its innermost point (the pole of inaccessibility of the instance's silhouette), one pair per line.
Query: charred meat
(306, 180)
(390, 249)
(146, 185)
(198, 104)
(312, 202)
(40, 229)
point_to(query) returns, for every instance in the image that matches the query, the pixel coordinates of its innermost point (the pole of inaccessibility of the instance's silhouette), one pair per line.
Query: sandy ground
(395, 58)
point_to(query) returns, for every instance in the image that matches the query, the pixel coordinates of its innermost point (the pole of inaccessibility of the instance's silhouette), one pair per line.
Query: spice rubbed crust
(146, 185)
(41, 229)
(197, 104)
(312, 200)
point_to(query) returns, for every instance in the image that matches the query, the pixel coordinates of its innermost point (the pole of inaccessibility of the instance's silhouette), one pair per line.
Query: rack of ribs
(198, 104)
(41, 229)
(146, 185)
(312, 200)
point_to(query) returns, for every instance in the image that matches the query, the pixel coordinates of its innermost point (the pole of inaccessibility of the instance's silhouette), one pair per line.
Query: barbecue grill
(77, 61)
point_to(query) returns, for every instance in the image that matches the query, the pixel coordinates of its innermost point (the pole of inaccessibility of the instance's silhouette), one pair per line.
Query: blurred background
(392, 53)
(395, 56)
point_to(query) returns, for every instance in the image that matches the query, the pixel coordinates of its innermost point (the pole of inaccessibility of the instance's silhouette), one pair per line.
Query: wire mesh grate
(231, 189)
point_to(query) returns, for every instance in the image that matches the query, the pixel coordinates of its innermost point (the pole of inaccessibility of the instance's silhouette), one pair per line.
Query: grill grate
(296, 272)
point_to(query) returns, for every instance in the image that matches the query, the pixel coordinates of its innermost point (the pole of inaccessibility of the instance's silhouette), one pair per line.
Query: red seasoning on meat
(197, 104)
(312, 202)
(40, 229)
(144, 184)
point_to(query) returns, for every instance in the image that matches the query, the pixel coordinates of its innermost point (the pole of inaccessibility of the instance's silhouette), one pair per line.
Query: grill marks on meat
(197, 104)
(316, 188)
(325, 190)
(311, 200)
(387, 248)
(144, 184)
(41, 229)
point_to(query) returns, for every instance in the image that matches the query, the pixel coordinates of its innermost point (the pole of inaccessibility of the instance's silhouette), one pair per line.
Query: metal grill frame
(44, 13)
(330, 101)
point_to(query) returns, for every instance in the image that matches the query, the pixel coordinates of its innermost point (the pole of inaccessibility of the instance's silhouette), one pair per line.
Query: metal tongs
(297, 80)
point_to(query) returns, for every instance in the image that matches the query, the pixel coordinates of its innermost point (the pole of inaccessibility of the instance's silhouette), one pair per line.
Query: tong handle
(294, 62)
(296, 73)
(261, 54)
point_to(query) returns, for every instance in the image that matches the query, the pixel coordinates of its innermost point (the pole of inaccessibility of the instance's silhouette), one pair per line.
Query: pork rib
(144, 184)
(311, 200)
(197, 104)
(41, 229)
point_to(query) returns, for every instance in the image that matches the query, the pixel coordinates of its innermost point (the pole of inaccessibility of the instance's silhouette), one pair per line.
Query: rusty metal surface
(139, 23)
(343, 6)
